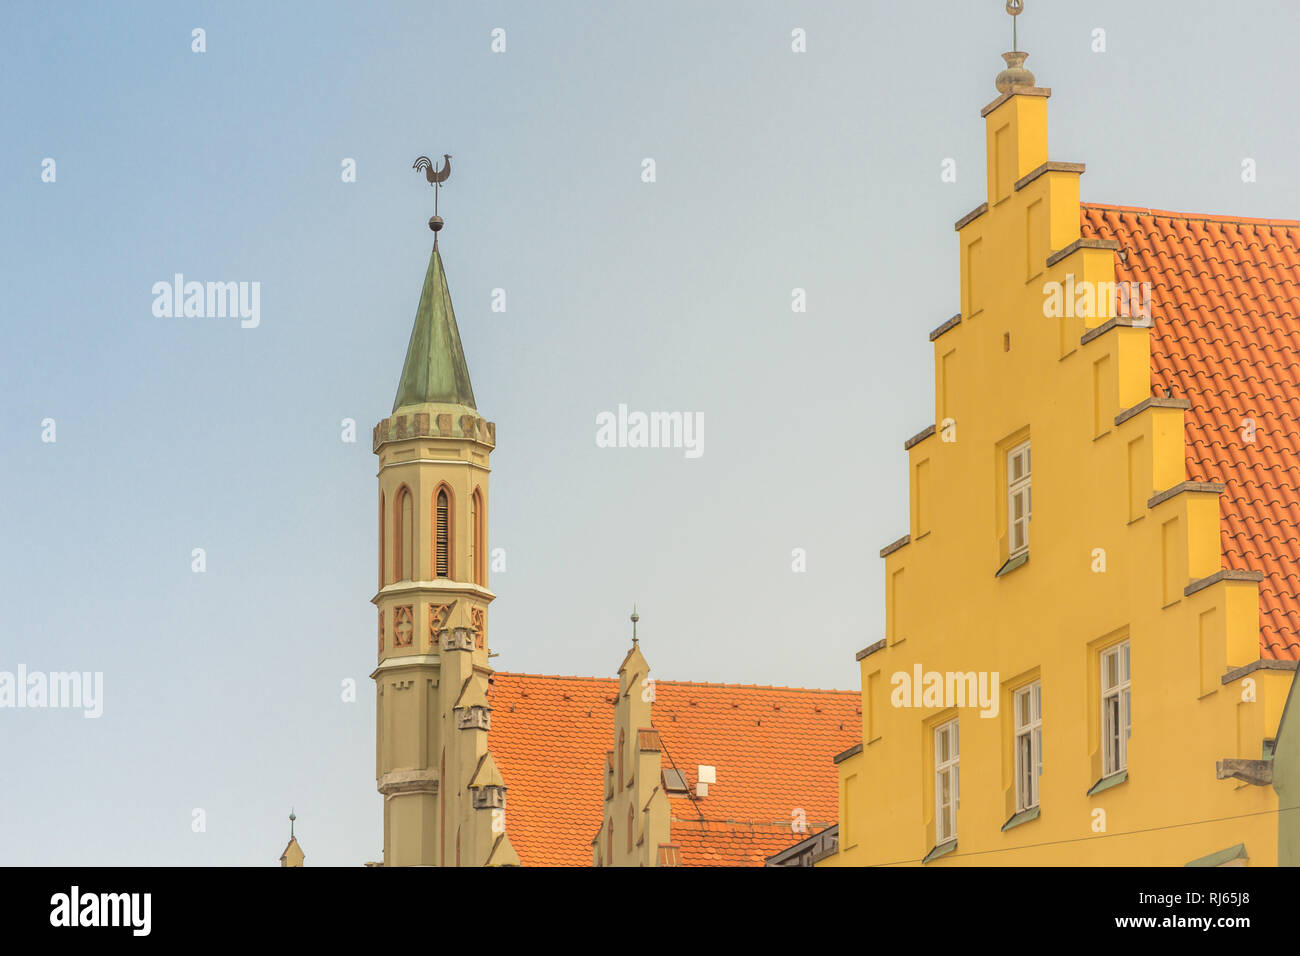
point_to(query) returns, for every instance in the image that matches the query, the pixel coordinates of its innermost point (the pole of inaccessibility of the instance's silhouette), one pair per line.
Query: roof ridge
(611, 680)
(686, 683)
(1190, 216)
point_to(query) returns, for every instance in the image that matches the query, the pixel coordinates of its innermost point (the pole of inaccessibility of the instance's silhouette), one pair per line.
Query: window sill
(941, 850)
(1223, 857)
(1012, 564)
(1105, 783)
(1024, 816)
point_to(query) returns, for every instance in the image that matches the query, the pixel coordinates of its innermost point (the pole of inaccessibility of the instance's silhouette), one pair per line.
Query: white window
(946, 785)
(1116, 714)
(1029, 744)
(1018, 510)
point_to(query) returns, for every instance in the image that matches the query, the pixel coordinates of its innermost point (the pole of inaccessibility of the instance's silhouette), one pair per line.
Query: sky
(774, 170)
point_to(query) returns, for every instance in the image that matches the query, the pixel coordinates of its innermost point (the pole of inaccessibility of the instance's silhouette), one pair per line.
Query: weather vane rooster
(436, 178)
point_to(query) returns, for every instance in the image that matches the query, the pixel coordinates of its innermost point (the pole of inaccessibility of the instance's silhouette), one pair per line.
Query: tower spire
(435, 370)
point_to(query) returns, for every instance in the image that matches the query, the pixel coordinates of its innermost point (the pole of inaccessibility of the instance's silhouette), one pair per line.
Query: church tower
(444, 800)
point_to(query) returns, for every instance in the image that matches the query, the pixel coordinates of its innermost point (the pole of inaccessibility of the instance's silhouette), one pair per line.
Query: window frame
(945, 820)
(1031, 732)
(1116, 731)
(442, 536)
(1016, 486)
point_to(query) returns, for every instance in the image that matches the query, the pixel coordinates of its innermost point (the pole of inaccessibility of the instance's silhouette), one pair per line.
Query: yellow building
(1092, 674)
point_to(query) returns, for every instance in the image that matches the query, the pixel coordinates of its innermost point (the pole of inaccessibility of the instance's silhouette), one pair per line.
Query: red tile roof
(732, 844)
(772, 747)
(1225, 300)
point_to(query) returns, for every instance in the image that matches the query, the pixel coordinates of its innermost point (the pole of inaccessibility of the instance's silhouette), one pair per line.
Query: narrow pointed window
(382, 556)
(477, 544)
(609, 842)
(404, 552)
(631, 829)
(620, 761)
(442, 553)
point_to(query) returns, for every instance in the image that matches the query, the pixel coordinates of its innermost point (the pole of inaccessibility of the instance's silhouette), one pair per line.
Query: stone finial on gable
(471, 707)
(487, 787)
(457, 632)
(503, 854)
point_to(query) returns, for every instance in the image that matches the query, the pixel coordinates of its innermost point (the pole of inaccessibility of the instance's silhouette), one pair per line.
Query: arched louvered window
(620, 761)
(382, 556)
(404, 552)
(631, 829)
(442, 536)
(477, 545)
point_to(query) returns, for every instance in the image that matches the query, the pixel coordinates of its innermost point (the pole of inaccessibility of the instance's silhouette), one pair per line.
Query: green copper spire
(435, 369)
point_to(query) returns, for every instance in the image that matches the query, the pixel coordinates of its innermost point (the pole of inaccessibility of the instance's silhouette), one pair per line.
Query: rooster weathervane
(436, 178)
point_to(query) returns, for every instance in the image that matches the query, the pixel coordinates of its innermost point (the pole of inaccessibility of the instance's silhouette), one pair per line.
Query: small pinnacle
(1015, 74)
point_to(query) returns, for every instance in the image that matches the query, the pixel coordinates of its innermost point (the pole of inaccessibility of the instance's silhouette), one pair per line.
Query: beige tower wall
(433, 649)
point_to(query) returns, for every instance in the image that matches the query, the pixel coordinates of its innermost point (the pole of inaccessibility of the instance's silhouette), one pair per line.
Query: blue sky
(775, 170)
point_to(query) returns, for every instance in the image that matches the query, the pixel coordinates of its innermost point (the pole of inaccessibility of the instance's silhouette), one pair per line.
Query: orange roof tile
(1225, 303)
(730, 844)
(772, 747)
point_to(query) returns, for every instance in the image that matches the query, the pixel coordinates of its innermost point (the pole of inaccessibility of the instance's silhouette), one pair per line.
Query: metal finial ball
(292, 816)
(435, 223)
(635, 617)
